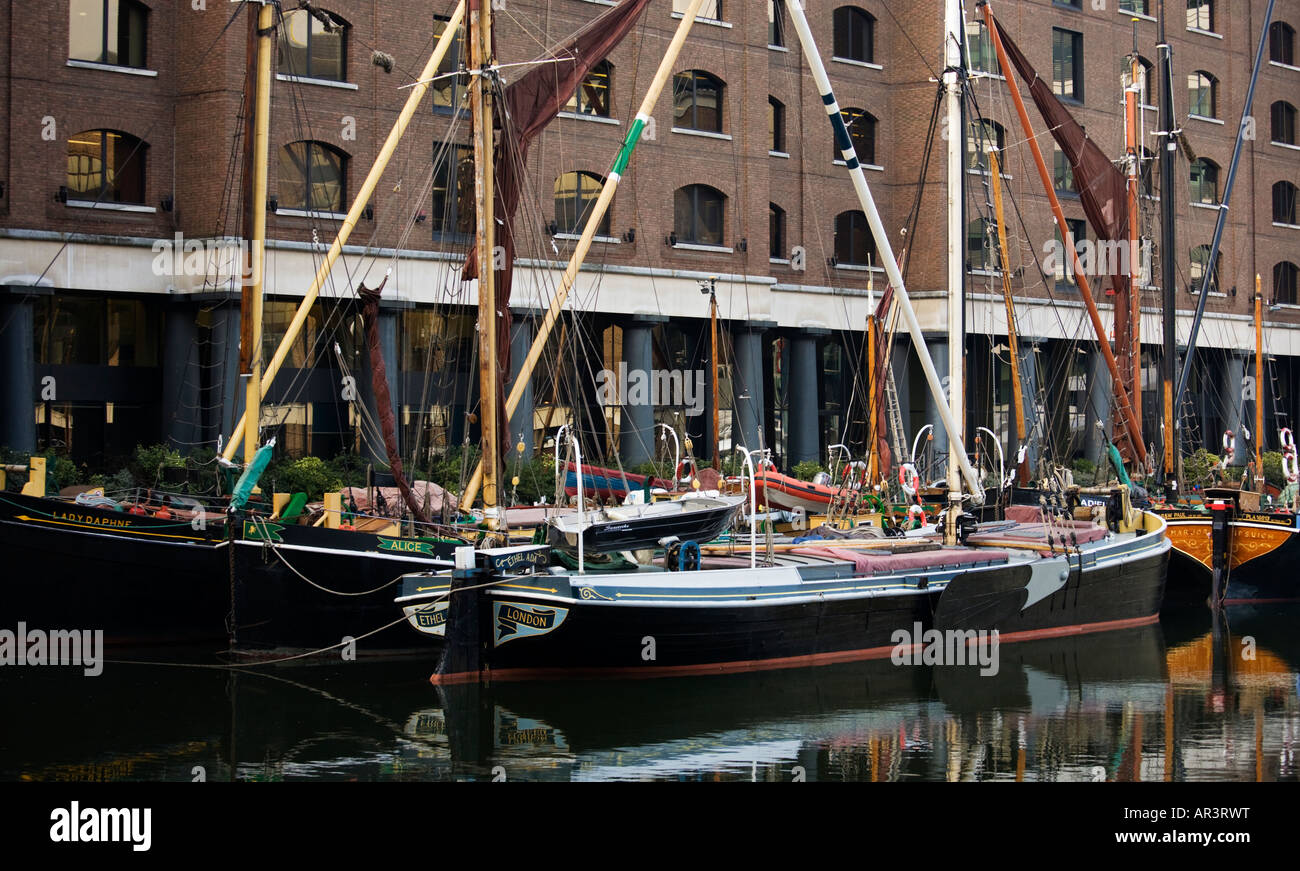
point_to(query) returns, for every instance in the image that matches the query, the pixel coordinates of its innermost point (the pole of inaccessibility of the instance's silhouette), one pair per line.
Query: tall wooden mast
(257, 239)
(1259, 388)
(1128, 295)
(570, 277)
(364, 193)
(480, 55)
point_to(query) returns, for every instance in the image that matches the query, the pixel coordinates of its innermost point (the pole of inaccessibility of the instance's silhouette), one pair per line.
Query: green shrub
(1273, 469)
(308, 475)
(1085, 472)
(1198, 468)
(807, 470)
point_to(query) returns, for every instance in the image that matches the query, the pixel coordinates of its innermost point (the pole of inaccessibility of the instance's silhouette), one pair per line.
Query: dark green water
(1164, 702)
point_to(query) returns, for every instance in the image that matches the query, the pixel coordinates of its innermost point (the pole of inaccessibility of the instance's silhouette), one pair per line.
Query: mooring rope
(317, 652)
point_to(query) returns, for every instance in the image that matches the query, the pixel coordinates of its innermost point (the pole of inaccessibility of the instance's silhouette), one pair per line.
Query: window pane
(448, 93)
(326, 180)
(293, 43)
(775, 23)
(710, 217)
(708, 105)
(1200, 14)
(326, 52)
(86, 164)
(86, 30)
(592, 96)
(1067, 64)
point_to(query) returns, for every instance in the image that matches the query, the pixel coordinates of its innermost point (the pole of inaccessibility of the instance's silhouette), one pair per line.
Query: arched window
(106, 166)
(1201, 259)
(312, 177)
(1204, 182)
(697, 214)
(775, 125)
(312, 48)
(862, 131)
(1283, 123)
(984, 135)
(697, 101)
(575, 196)
(1200, 15)
(1281, 43)
(1284, 282)
(776, 231)
(1284, 203)
(1202, 96)
(854, 34)
(854, 245)
(108, 32)
(593, 96)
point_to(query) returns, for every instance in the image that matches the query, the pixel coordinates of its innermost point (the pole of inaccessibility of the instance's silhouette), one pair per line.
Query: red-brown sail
(383, 400)
(1102, 188)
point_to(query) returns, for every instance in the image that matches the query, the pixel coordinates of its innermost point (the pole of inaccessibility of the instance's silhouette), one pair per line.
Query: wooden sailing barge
(512, 613)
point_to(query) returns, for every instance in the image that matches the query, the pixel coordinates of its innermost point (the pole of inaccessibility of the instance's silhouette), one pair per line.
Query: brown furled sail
(880, 427)
(383, 400)
(528, 106)
(1103, 189)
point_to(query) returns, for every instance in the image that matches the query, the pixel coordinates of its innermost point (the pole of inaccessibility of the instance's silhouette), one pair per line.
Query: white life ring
(1229, 449)
(909, 479)
(686, 464)
(1290, 466)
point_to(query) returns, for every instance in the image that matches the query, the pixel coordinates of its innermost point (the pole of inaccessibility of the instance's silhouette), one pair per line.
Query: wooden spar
(480, 53)
(261, 140)
(1259, 387)
(1121, 391)
(1013, 341)
(353, 217)
(570, 276)
(713, 361)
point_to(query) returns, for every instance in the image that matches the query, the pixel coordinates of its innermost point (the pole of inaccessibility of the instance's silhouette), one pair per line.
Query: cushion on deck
(879, 562)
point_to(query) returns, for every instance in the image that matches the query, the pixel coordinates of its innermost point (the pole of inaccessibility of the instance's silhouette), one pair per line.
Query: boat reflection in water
(1093, 707)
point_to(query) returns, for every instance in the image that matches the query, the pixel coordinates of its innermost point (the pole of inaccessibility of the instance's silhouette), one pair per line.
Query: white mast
(885, 250)
(956, 262)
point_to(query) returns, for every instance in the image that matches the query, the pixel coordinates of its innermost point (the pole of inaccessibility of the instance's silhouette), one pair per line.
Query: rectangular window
(1200, 15)
(1062, 172)
(453, 193)
(1134, 7)
(448, 91)
(1067, 64)
(711, 9)
(775, 23)
(775, 125)
(1078, 230)
(979, 50)
(108, 32)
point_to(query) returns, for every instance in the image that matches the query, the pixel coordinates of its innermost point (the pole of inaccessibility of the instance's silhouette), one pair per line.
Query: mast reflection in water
(1172, 702)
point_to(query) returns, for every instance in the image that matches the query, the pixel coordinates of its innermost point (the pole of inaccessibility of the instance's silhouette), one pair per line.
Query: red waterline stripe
(1289, 601)
(784, 662)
